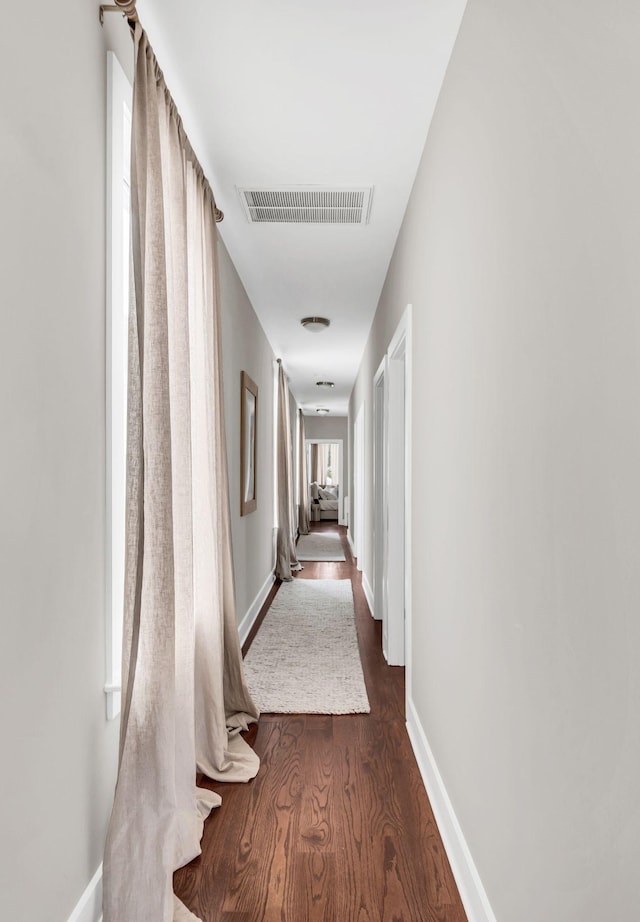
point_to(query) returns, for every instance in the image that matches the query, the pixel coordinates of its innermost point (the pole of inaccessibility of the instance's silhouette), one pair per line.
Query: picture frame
(248, 444)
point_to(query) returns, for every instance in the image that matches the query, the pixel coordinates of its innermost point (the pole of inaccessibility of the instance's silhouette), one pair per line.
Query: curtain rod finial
(128, 7)
(279, 361)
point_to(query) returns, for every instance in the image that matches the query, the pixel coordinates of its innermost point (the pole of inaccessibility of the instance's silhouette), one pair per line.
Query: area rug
(305, 657)
(320, 545)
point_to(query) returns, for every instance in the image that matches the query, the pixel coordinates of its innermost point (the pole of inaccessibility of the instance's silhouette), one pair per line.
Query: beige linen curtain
(303, 482)
(184, 695)
(319, 462)
(286, 560)
(313, 474)
(323, 463)
(326, 458)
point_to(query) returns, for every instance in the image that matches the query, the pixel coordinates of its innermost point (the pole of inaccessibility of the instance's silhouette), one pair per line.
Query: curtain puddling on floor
(303, 482)
(286, 560)
(184, 696)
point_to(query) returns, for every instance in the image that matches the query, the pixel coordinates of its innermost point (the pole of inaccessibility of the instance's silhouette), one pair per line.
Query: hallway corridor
(337, 826)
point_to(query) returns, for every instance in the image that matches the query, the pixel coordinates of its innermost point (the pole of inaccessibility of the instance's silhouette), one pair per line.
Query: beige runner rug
(305, 657)
(320, 545)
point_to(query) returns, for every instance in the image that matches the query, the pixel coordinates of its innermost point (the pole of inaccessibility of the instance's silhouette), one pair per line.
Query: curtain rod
(128, 9)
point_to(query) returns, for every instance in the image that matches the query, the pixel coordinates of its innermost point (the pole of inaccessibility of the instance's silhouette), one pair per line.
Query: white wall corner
(368, 593)
(352, 546)
(472, 892)
(247, 622)
(89, 908)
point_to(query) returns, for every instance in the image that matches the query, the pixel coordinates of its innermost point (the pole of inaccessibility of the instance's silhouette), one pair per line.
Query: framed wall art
(248, 444)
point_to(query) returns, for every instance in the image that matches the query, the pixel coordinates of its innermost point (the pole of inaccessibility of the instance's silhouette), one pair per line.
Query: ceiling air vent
(307, 205)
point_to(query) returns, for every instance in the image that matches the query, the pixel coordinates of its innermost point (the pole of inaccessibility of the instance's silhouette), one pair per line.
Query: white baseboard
(89, 908)
(244, 628)
(352, 547)
(472, 893)
(368, 593)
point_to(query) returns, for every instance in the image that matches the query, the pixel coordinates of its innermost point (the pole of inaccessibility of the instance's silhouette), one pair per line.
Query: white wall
(327, 427)
(59, 758)
(519, 253)
(245, 348)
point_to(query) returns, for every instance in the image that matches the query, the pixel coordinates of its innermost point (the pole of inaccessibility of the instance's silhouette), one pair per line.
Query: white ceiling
(286, 92)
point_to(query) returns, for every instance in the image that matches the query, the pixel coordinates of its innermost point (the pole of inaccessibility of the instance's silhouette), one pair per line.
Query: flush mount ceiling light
(315, 324)
(325, 384)
(323, 411)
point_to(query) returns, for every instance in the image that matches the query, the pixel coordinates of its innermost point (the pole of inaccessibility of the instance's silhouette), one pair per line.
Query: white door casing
(397, 482)
(358, 487)
(380, 411)
(393, 624)
(119, 105)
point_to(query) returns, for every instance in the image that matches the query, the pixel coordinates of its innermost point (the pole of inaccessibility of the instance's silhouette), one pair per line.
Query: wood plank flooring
(337, 826)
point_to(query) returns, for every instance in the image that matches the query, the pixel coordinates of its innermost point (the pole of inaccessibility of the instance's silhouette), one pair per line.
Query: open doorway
(391, 492)
(325, 480)
(357, 529)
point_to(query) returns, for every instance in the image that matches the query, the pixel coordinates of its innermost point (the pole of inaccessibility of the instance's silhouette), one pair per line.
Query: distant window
(117, 310)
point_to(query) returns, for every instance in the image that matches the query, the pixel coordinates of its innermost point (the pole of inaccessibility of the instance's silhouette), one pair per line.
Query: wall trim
(114, 700)
(352, 547)
(89, 908)
(118, 126)
(472, 893)
(244, 627)
(368, 593)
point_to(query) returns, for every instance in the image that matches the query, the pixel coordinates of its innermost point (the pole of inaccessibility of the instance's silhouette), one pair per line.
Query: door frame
(397, 626)
(380, 415)
(341, 468)
(358, 536)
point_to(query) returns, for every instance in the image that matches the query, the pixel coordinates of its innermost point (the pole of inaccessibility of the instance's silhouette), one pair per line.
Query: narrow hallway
(337, 826)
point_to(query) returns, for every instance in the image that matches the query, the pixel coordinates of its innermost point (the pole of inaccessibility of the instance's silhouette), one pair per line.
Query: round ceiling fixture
(322, 411)
(325, 384)
(315, 324)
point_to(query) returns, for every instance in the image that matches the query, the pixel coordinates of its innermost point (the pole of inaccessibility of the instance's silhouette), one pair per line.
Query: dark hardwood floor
(337, 826)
